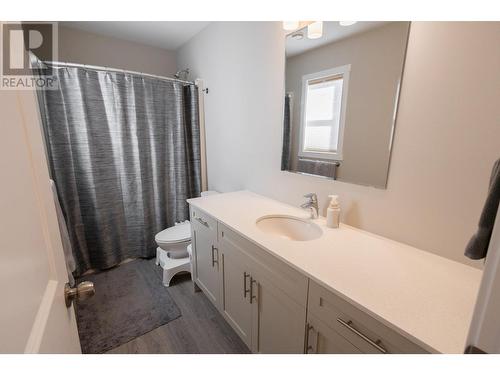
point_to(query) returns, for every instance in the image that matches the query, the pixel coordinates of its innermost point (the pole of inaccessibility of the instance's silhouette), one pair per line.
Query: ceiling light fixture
(347, 23)
(290, 25)
(315, 30)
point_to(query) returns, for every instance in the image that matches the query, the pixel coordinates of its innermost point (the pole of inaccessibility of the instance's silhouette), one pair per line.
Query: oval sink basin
(289, 227)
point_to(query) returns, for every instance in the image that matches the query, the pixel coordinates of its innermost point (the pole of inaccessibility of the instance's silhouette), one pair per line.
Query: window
(324, 100)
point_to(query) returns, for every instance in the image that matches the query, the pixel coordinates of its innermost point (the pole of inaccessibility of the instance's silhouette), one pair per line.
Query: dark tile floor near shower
(199, 329)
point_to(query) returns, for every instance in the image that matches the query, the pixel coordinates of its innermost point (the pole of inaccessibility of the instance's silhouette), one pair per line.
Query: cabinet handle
(309, 328)
(202, 222)
(245, 290)
(376, 344)
(252, 280)
(215, 261)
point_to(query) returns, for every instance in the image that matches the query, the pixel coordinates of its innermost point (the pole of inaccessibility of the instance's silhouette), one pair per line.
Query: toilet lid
(178, 233)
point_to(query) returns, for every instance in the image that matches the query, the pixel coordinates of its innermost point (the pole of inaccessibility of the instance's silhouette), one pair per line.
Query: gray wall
(81, 47)
(376, 58)
(446, 139)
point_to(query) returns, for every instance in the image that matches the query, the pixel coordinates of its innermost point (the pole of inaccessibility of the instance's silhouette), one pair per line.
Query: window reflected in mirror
(323, 122)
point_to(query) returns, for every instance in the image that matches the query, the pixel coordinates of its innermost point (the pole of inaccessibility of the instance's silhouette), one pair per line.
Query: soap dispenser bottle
(333, 212)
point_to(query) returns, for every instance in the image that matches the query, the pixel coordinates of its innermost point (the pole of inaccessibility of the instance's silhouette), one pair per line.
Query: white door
(33, 317)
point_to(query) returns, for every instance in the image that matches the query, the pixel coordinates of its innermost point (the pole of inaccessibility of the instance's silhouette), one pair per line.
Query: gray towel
(478, 244)
(318, 167)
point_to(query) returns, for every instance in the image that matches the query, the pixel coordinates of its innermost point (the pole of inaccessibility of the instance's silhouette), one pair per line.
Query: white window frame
(343, 70)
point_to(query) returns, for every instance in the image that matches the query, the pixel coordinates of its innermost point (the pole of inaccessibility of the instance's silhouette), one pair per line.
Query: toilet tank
(209, 192)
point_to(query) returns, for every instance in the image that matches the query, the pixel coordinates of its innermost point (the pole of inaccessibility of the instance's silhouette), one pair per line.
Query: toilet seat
(179, 233)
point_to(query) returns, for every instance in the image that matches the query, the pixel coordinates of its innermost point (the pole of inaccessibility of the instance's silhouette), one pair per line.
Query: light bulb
(347, 23)
(290, 25)
(315, 30)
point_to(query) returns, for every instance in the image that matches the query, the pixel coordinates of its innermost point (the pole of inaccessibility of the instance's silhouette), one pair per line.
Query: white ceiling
(332, 32)
(164, 34)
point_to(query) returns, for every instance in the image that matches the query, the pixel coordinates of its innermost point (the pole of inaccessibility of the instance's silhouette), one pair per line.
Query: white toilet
(172, 252)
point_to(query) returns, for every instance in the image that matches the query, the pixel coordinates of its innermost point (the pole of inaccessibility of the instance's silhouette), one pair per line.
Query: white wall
(447, 132)
(81, 47)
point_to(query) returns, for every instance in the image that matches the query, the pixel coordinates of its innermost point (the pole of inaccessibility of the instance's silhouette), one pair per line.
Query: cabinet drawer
(290, 281)
(321, 339)
(366, 333)
(202, 219)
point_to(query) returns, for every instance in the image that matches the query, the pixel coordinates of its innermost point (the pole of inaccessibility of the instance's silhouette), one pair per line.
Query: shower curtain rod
(60, 64)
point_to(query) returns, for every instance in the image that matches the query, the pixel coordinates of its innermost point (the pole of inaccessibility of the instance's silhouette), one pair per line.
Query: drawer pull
(245, 290)
(202, 222)
(376, 344)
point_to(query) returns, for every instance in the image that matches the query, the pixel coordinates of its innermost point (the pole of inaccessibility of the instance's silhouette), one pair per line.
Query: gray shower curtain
(124, 152)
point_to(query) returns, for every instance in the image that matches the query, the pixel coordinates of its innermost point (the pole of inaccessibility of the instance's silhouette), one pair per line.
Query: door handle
(215, 261)
(245, 290)
(81, 292)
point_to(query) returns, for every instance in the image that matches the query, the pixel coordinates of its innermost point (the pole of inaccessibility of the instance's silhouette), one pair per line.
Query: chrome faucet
(312, 204)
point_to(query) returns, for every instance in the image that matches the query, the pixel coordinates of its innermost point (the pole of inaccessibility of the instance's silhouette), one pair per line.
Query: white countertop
(427, 298)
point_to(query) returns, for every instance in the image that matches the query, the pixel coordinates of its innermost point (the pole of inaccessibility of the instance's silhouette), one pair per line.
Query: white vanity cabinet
(273, 307)
(207, 269)
(346, 291)
(264, 300)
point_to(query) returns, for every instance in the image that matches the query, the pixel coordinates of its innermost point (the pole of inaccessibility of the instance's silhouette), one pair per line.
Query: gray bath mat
(130, 301)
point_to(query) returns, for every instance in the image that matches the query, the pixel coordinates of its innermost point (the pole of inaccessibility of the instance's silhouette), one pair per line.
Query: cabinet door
(278, 321)
(321, 339)
(206, 255)
(236, 306)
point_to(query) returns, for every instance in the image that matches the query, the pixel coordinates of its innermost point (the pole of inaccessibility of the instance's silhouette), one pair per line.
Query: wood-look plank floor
(200, 329)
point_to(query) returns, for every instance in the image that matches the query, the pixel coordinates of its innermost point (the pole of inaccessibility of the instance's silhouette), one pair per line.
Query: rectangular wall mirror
(341, 97)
